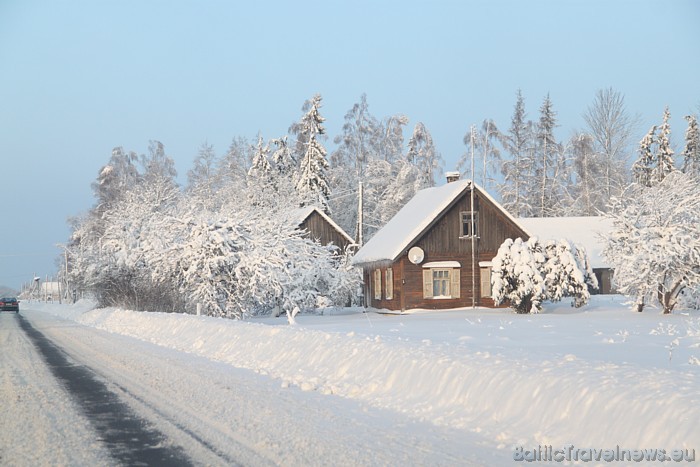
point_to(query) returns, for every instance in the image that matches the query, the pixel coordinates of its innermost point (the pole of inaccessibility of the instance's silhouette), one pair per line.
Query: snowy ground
(597, 377)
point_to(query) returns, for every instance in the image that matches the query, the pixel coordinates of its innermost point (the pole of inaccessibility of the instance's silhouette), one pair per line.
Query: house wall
(320, 230)
(442, 242)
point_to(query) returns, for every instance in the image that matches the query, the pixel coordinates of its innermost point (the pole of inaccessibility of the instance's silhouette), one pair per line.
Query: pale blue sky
(78, 78)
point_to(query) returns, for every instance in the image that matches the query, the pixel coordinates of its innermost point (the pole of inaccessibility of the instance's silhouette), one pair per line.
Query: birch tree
(611, 127)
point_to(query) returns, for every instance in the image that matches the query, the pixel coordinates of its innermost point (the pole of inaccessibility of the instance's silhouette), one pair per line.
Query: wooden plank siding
(441, 242)
(320, 230)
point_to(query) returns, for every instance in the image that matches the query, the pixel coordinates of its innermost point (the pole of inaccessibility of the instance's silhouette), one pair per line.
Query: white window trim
(442, 265)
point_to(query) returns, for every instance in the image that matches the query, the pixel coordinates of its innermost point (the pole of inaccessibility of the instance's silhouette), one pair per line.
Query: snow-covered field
(596, 377)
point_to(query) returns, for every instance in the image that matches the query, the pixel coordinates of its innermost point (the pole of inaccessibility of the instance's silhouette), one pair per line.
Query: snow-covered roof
(298, 216)
(413, 219)
(583, 231)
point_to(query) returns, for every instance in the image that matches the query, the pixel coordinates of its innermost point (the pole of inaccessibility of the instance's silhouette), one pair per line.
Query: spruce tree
(644, 165)
(691, 165)
(664, 155)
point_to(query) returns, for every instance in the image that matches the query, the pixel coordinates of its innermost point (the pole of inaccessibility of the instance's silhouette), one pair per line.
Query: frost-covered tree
(260, 181)
(390, 138)
(233, 169)
(312, 178)
(201, 178)
(664, 156)
(312, 182)
(310, 125)
(517, 275)
(548, 167)
(517, 167)
(422, 153)
(357, 145)
(654, 247)
(691, 152)
(588, 192)
(116, 178)
(284, 172)
(567, 272)
(529, 273)
(487, 156)
(643, 167)
(611, 128)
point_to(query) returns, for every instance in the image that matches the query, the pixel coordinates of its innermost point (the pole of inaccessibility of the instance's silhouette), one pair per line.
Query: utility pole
(472, 221)
(360, 220)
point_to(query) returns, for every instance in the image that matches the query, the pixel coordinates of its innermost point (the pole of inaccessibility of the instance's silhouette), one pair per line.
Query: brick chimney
(452, 176)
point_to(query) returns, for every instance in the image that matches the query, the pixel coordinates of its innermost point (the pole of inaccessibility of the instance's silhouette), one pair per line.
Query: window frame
(485, 271)
(377, 284)
(465, 220)
(453, 278)
(389, 283)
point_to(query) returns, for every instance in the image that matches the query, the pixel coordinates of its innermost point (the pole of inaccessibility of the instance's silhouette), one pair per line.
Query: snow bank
(517, 380)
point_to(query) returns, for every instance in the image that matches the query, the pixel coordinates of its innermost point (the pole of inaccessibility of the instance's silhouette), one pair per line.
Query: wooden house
(321, 228)
(422, 258)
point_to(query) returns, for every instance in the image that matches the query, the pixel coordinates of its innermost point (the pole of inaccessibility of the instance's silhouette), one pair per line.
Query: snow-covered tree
(357, 144)
(310, 125)
(529, 273)
(284, 172)
(487, 156)
(611, 128)
(588, 192)
(691, 152)
(567, 272)
(390, 138)
(517, 275)
(116, 178)
(312, 178)
(422, 153)
(548, 166)
(664, 155)
(312, 181)
(654, 247)
(517, 168)
(643, 167)
(201, 179)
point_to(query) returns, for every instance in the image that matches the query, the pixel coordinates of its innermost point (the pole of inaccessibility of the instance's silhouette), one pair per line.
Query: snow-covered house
(422, 258)
(321, 227)
(585, 231)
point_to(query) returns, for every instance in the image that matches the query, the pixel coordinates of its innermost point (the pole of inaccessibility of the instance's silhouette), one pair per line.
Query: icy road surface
(76, 395)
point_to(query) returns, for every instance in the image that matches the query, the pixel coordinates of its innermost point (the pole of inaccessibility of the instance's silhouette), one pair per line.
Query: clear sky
(79, 77)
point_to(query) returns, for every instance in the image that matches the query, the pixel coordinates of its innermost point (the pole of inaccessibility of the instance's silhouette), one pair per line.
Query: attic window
(466, 230)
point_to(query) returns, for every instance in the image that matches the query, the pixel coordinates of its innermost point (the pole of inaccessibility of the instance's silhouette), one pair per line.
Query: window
(441, 282)
(485, 281)
(389, 284)
(466, 224)
(377, 284)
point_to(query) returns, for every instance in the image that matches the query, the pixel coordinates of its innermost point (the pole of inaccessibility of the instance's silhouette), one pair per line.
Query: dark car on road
(9, 304)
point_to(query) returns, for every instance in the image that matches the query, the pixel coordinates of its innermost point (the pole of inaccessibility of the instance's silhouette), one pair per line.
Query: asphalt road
(76, 395)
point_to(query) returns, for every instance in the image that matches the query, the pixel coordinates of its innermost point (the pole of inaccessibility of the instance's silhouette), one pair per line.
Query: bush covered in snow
(528, 273)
